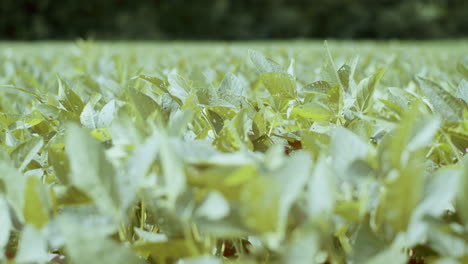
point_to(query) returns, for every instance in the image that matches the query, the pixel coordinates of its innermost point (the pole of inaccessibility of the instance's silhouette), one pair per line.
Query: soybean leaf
(173, 172)
(36, 210)
(91, 172)
(131, 178)
(13, 185)
(6, 222)
(214, 207)
(365, 90)
(346, 147)
(25, 152)
(321, 195)
(69, 99)
(462, 195)
(443, 102)
(263, 64)
(32, 246)
(312, 111)
(280, 84)
(144, 104)
(462, 91)
(83, 245)
(231, 91)
(88, 116)
(106, 115)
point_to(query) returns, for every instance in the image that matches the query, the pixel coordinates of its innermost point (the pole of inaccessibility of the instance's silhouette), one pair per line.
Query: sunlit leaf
(365, 90)
(263, 64)
(32, 246)
(35, 209)
(443, 102)
(6, 223)
(90, 170)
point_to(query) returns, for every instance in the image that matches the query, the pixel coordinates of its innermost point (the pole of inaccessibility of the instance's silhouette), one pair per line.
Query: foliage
(219, 153)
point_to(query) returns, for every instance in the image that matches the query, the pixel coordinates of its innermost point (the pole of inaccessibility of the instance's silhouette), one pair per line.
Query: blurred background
(232, 19)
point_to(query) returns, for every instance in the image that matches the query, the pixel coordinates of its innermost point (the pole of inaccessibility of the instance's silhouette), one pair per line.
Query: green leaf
(32, 247)
(200, 260)
(304, 248)
(161, 84)
(329, 70)
(450, 108)
(344, 72)
(263, 64)
(25, 152)
(144, 104)
(179, 122)
(395, 253)
(69, 99)
(35, 209)
(280, 84)
(12, 183)
(88, 116)
(365, 90)
(317, 87)
(321, 195)
(462, 91)
(6, 222)
(33, 94)
(231, 91)
(173, 170)
(178, 87)
(312, 111)
(131, 178)
(164, 251)
(91, 172)
(366, 245)
(214, 207)
(346, 147)
(85, 246)
(106, 115)
(462, 194)
(292, 178)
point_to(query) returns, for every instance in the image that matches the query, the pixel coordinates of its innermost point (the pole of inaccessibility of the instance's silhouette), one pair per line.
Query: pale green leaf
(280, 84)
(462, 194)
(88, 116)
(85, 246)
(317, 87)
(35, 211)
(91, 172)
(462, 91)
(173, 171)
(144, 104)
(25, 152)
(312, 111)
(321, 194)
(6, 222)
(106, 115)
(200, 260)
(365, 90)
(214, 207)
(445, 104)
(346, 147)
(13, 184)
(179, 122)
(69, 99)
(32, 247)
(292, 178)
(263, 64)
(231, 91)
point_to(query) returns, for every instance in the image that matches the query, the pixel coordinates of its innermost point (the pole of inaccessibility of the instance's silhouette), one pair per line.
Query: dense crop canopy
(244, 153)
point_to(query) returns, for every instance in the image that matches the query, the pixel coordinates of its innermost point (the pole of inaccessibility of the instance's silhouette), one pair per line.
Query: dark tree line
(230, 20)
